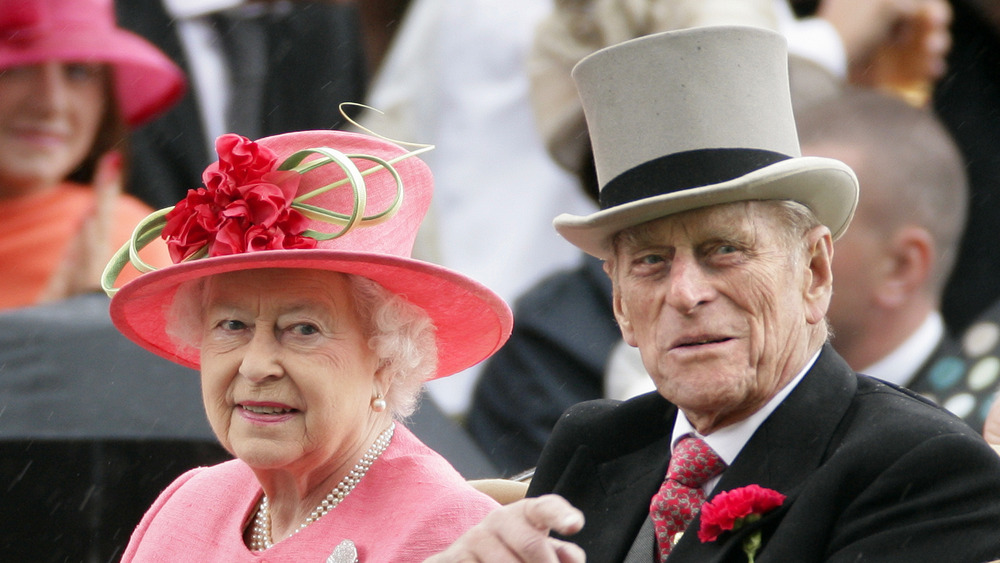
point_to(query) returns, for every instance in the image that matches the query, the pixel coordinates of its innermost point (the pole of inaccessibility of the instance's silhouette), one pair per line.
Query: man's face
(724, 308)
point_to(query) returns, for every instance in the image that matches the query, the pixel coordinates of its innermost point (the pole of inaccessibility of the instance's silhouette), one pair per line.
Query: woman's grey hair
(400, 333)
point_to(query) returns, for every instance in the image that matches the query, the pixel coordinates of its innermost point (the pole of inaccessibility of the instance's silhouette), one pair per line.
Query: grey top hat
(692, 118)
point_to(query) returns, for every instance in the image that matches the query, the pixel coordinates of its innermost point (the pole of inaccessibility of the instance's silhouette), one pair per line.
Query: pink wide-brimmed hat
(34, 31)
(326, 200)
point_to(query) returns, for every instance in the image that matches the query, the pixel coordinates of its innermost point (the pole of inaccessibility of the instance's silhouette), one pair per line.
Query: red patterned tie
(680, 497)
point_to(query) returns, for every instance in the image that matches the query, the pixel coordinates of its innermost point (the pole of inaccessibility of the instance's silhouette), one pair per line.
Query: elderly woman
(294, 293)
(71, 85)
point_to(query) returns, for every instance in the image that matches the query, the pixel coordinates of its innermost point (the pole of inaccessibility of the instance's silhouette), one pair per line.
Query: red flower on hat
(730, 510)
(246, 205)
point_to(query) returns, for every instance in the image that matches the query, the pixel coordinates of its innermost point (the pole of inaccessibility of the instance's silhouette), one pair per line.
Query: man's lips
(692, 341)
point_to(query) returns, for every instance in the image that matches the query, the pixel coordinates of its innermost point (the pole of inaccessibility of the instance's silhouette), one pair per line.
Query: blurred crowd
(907, 92)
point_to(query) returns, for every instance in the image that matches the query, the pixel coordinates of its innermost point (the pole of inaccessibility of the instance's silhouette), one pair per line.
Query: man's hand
(991, 430)
(519, 532)
(894, 44)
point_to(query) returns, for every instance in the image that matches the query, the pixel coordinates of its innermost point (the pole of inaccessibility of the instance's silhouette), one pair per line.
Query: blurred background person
(83, 439)
(455, 75)
(71, 86)
(892, 265)
(966, 99)
(314, 331)
(256, 68)
(898, 46)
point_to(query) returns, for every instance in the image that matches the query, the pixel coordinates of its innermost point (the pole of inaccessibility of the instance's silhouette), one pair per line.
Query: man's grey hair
(796, 217)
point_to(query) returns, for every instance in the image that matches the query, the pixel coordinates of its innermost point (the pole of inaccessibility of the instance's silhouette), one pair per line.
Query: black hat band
(683, 171)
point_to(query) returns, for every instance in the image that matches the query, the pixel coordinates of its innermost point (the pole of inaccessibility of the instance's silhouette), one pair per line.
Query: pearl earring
(378, 403)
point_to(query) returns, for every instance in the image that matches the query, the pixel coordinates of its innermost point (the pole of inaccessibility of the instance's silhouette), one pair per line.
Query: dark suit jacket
(555, 358)
(871, 473)
(317, 55)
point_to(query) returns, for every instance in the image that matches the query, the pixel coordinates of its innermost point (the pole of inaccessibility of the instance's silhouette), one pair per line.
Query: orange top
(37, 231)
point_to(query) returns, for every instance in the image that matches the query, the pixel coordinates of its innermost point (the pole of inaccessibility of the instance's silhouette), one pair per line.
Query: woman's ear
(383, 376)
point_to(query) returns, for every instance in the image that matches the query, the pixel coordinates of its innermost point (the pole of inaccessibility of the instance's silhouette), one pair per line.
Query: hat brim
(146, 82)
(827, 186)
(471, 321)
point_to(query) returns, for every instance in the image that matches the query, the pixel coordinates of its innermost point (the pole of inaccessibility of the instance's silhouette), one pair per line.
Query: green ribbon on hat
(150, 228)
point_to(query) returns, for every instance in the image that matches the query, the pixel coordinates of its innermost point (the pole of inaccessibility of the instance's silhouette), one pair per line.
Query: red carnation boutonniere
(730, 510)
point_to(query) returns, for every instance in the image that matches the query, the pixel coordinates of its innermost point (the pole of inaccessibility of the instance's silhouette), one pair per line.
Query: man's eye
(726, 249)
(651, 259)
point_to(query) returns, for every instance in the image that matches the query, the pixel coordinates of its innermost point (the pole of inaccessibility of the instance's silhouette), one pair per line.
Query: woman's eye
(305, 329)
(232, 325)
(80, 72)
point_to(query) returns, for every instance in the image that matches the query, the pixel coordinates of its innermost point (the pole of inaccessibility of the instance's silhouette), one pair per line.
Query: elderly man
(718, 238)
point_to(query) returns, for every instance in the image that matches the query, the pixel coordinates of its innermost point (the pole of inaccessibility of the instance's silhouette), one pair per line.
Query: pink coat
(411, 505)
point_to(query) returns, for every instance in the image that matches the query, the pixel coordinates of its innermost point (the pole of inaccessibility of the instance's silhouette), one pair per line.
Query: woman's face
(287, 375)
(49, 116)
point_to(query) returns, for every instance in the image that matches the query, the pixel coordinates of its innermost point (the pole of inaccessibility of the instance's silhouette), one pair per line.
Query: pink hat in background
(326, 200)
(34, 31)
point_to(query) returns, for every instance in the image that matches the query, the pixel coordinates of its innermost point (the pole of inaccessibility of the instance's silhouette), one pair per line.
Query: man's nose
(688, 284)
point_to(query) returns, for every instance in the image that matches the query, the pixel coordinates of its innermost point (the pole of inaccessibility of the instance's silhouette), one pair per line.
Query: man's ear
(621, 313)
(624, 321)
(818, 283)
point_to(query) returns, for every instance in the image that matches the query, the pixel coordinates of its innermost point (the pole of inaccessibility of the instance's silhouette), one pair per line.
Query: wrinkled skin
(725, 312)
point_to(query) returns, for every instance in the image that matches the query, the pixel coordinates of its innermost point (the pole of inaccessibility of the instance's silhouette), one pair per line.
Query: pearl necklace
(260, 538)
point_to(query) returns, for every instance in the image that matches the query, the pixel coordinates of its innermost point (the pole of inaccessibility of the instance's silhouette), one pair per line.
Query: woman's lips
(40, 136)
(266, 412)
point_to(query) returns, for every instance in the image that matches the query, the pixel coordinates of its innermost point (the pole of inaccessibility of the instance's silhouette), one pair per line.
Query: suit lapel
(619, 484)
(781, 454)
(174, 143)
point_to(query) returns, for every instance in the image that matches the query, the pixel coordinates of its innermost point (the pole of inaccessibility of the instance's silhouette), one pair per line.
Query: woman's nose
(52, 86)
(262, 357)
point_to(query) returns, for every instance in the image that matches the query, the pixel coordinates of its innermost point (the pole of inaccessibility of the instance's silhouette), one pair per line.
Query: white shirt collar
(902, 364)
(187, 9)
(729, 441)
